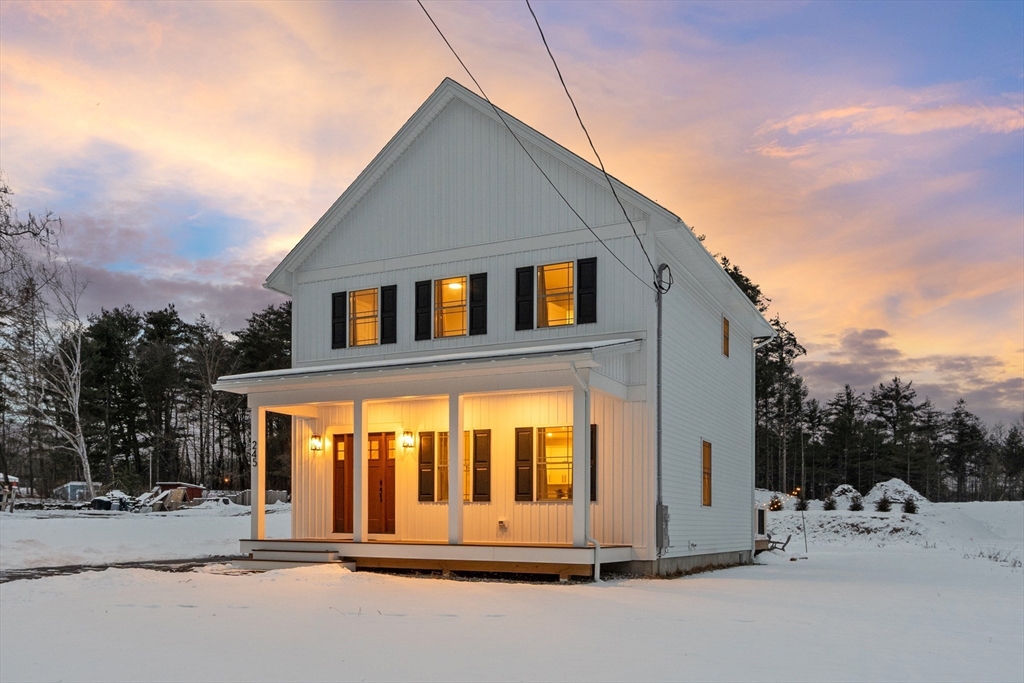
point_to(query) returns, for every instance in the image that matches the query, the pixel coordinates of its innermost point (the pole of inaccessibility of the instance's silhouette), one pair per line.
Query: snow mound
(844, 492)
(897, 490)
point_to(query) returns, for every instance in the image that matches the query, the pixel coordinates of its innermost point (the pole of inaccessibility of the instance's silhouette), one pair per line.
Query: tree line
(122, 397)
(126, 398)
(862, 438)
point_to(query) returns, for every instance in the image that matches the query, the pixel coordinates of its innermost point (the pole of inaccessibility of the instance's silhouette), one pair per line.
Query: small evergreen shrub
(801, 504)
(829, 504)
(856, 503)
(910, 505)
(883, 504)
(775, 504)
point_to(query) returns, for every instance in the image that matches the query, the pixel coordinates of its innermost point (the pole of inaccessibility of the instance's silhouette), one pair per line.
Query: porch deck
(564, 560)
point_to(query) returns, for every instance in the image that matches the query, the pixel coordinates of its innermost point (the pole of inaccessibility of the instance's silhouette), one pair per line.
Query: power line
(523, 146)
(592, 147)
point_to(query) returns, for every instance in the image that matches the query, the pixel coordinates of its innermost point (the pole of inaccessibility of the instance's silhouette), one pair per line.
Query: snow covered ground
(54, 538)
(869, 603)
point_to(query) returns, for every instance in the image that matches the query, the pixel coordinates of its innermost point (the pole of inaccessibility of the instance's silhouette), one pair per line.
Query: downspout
(586, 487)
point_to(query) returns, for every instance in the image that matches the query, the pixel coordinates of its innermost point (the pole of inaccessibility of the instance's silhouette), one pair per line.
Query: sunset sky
(862, 162)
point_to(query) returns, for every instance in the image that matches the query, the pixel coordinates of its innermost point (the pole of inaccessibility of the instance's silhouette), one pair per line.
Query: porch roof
(247, 382)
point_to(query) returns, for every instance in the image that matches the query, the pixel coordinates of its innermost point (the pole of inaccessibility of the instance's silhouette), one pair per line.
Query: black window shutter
(482, 466)
(524, 463)
(524, 298)
(593, 463)
(586, 291)
(389, 314)
(478, 303)
(339, 319)
(427, 466)
(423, 310)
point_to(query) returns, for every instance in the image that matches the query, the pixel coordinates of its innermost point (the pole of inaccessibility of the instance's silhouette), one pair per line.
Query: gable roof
(281, 278)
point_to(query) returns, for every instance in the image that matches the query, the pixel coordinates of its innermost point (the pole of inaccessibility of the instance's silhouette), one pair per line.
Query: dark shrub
(775, 504)
(910, 505)
(829, 504)
(856, 503)
(801, 504)
(883, 504)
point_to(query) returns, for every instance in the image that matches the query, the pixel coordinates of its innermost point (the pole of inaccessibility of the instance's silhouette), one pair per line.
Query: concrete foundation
(678, 566)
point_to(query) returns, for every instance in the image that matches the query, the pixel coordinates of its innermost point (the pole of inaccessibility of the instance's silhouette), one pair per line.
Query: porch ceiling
(584, 354)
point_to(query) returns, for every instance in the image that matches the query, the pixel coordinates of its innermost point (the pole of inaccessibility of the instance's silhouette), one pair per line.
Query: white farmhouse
(476, 380)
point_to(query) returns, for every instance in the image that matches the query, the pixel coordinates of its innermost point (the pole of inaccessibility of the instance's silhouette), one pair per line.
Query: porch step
(269, 559)
(271, 565)
(300, 556)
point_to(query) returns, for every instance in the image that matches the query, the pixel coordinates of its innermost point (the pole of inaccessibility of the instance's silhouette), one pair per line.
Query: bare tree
(24, 247)
(64, 332)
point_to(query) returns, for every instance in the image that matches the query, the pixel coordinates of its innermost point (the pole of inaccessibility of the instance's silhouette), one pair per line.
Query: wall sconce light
(316, 443)
(407, 439)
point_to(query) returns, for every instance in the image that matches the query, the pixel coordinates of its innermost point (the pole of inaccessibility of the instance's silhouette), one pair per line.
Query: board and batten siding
(707, 396)
(463, 181)
(621, 300)
(624, 469)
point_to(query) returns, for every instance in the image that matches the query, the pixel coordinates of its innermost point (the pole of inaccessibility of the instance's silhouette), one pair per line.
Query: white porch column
(456, 460)
(580, 465)
(359, 471)
(258, 472)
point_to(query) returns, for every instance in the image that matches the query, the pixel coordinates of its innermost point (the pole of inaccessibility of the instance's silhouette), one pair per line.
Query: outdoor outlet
(501, 524)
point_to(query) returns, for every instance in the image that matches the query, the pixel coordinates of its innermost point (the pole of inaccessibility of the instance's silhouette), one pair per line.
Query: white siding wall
(625, 473)
(621, 302)
(624, 469)
(464, 181)
(707, 397)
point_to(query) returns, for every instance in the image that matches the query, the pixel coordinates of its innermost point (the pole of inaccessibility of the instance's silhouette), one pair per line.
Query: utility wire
(523, 146)
(592, 147)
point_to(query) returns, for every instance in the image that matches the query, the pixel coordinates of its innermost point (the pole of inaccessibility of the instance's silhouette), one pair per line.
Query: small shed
(74, 490)
(193, 491)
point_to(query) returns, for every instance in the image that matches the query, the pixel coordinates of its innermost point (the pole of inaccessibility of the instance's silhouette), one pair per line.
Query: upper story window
(725, 337)
(363, 317)
(566, 294)
(555, 295)
(450, 307)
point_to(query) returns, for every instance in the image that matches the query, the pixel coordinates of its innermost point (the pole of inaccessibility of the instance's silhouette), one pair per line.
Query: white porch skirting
(466, 556)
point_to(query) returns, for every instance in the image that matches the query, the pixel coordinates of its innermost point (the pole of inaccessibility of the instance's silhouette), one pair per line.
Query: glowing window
(450, 307)
(363, 314)
(555, 295)
(554, 463)
(706, 492)
(442, 467)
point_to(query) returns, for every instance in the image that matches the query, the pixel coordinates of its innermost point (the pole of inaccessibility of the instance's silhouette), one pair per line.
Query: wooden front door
(342, 483)
(380, 484)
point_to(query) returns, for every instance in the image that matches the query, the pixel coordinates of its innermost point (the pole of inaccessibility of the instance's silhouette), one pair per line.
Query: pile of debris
(165, 497)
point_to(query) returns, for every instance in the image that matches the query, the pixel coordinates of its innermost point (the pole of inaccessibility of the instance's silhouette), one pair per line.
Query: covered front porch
(377, 481)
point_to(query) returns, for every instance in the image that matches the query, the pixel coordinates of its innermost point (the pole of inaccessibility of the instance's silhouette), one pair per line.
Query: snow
(55, 538)
(868, 603)
(896, 489)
